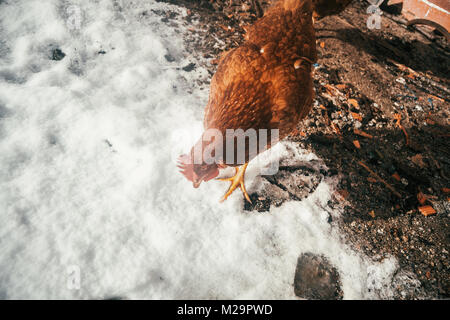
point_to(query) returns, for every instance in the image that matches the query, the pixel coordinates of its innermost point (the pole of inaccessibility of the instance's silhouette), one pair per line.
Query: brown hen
(266, 83)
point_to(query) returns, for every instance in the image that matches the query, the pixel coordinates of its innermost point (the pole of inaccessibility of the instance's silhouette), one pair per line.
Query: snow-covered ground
(88, 181)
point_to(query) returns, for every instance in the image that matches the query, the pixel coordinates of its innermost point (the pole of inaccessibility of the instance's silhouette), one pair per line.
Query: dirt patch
(380, 123)
(364, 80)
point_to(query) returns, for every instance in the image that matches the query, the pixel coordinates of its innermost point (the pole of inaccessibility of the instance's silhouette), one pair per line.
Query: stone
(189, 67)
(57, 54)
(316, 279)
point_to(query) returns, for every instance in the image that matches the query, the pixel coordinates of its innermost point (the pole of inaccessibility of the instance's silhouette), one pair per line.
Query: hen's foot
(238, 180)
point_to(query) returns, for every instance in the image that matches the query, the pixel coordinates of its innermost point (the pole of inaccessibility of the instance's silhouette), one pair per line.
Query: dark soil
(364, 79)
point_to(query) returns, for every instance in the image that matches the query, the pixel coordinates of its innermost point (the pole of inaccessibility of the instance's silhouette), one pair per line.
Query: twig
(380, 179)
(363, 134)
(398, 118)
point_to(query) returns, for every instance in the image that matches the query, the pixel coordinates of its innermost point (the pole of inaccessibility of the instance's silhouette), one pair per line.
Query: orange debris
(427, 210)
(436, 98)
(343, 193)
(356, 116)
(336, 128)
(362, 133)
(418, 160)
(331, 90)
(421, 198)
(398, 118)
(354, 103)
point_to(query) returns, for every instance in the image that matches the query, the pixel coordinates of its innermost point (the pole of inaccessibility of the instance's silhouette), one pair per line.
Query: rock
(406, 286)
(294, 180)
(401, 80)
(299, 183)
(169, 57)
(189, 67)
(315, 278)
(57, 54)
(275, 193)
(268, 195)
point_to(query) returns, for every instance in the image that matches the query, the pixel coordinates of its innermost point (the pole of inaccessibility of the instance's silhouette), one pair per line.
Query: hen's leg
(237, 181)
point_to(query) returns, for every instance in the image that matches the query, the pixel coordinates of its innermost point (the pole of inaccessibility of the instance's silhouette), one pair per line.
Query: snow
(88, 182)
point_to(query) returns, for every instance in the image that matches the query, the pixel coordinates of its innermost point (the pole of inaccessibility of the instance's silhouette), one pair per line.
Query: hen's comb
(186, 167)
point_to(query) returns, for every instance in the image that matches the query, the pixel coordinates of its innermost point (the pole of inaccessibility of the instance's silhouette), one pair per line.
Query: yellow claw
(238, 180)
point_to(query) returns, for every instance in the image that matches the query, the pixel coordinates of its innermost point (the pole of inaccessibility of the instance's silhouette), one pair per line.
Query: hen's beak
(196, 180)
(196, 184)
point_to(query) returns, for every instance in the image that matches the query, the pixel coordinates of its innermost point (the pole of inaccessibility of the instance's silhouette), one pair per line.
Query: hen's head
(196, 172)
